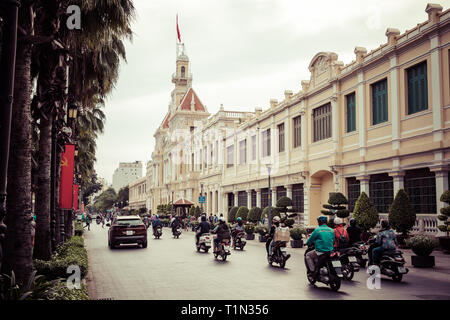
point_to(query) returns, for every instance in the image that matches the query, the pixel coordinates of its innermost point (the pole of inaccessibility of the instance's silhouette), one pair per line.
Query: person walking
(88, 222)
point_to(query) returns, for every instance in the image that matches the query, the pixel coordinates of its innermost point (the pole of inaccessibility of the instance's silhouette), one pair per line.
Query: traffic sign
(201, 199)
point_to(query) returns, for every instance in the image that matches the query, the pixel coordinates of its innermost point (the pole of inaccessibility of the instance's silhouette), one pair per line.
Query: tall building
(378, 124)
(126, 172)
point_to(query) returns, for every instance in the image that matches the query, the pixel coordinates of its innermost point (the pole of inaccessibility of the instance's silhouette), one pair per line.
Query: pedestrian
(211, 219)
(88, 222)
(216, 218)
(103, 220)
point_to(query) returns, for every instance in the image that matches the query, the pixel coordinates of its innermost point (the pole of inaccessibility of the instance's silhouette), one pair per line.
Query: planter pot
(250, 236)
(296, 243)
(262, 238)
(422, 261)
(444, 243)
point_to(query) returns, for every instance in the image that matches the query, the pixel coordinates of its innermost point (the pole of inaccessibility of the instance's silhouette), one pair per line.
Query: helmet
(157, 216)
(203, 218)
(322, 219)
(338, 221)
(276, 219)
(353, 222)
(384, 224)
(222, 219)
(239, 219)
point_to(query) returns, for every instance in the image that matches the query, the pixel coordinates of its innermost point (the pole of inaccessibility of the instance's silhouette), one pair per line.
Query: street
(172, 269)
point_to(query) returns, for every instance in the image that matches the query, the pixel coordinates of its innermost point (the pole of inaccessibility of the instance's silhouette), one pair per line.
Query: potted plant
(249, 230)
(254, 214)
(402, 216)
(335, 207)
(262, 231)
(422, 246)
(444, 241)
(297, 233)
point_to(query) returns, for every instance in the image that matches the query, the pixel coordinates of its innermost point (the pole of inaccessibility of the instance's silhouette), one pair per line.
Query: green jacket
(322, 238)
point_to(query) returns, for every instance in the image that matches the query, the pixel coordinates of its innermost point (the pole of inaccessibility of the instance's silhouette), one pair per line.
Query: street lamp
(72, 111)
(269, 166)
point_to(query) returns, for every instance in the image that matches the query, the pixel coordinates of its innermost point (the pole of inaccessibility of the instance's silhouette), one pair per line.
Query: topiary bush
(254, 214)
(232, 214)
(401, 213)
(445, 213)
(261, 230)
(273, 212)
(249, 228)
(289, 222)
(421, 245)
(335, 206)
(365, 212)
(242, 212)
(297, 233)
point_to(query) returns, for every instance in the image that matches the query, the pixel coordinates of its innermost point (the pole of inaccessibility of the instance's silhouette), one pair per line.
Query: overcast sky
(242, 54)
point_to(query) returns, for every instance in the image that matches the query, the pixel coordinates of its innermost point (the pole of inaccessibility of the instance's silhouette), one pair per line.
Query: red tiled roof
(183, 201)
(186, 101)
(166, 121)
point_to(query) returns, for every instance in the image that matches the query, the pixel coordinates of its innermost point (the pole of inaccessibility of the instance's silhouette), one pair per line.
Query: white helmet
(222, 219)
(338, 221)
(276, 219)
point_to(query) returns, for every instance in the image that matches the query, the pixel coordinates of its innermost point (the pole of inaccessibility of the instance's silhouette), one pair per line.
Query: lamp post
(269, 166)
(7, 70)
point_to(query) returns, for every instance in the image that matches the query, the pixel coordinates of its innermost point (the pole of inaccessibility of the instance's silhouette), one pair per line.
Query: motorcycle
(223, 249)
(176, 232)
(239, 241)
(204, 243)
(157, 233)
(279, 254)
(361, 256)
(392, 264)
(350, 265)
(98, 220)
(330, 273)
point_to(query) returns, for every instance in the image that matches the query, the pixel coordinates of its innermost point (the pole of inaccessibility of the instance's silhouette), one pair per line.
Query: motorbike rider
(156, 223)
(354, 232)
(238, 227)
(323, 240)
(223, 232)
(269, 243)
(203, 227)
(176, 224)
(385, 241)
(340, 234)
(146, 221)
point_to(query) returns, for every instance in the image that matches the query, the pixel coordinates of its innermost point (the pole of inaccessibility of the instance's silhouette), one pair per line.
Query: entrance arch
(320, 185)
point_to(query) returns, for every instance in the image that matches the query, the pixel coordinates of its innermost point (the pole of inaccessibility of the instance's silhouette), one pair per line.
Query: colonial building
(377, 124)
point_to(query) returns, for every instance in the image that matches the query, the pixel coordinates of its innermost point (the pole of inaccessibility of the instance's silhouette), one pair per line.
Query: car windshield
(128, 222)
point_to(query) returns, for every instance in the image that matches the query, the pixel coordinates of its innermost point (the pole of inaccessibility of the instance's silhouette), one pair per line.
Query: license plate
(283, 249)
(365, 256)
(352, 259)
(336, 263)
(227, 248)
(402, 269)
(129, 233)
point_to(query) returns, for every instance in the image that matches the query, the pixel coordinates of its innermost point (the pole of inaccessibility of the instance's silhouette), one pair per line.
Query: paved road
(172, 269)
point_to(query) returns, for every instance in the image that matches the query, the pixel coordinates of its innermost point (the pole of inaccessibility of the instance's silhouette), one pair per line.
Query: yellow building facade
(377, 124)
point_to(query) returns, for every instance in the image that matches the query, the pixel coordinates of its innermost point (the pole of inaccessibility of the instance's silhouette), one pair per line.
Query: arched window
(182, 72)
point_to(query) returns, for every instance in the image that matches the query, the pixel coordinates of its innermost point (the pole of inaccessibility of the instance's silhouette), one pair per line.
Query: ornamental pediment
(321, 67)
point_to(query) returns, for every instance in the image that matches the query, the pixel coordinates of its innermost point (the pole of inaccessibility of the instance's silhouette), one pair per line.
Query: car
(125, 230)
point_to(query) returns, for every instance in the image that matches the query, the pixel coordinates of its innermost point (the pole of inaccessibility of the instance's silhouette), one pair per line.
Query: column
(441, 186)
(303, 139)
(249, 199)
(398, 179)
(258, 198)
(334, 120)
(394, 104)
(213, 209)
(236, 193)
(362, 117)
(273, 200)
(364, 184)
(289, 191)
(436, 88)
(306, 221)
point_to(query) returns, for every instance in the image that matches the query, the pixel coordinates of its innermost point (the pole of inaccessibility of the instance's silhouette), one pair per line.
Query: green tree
(254, 214)
(106, 200)
(192, 211)
(123, 197)
(335, 206)
(365, 212)
(232, 214)
(242, 212)
(198, 211)
(273, 212)
(401, 213)
(445, 213)
(282, 205)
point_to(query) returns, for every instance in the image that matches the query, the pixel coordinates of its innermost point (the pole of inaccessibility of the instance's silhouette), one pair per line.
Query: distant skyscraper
(126, 173)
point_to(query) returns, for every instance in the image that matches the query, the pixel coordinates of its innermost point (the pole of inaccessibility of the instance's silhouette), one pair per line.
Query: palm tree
(18, 250)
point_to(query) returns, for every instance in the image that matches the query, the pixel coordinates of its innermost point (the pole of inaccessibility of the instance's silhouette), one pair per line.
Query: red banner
(75, 197)
(66, 180)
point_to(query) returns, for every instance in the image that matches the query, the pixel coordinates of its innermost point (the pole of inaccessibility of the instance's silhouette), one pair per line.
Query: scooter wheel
(397, 278)
(311, 278)
(224, 257)
(282, 264)
(198, 249)
(335, 284)
(348, 272)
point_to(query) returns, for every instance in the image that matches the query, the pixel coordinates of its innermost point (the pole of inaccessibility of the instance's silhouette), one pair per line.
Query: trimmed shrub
(254, 214)
(261, 230)
(72, 252)
(422, 245)
(198, 211)
(249, 228)
(401, 213)
(60, 292)
(232, 214)
(445, 213)
(297, 233)
(273, 212)
(365, 213)
(335, 206)
(242, 212)
(289, 222)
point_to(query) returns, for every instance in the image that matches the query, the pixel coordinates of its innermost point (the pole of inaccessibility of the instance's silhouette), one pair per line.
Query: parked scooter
(204, 242)
(279, 254)
(392, 263)
(176, 232)
(223, 249)
(239, 241)
(157, 233)
(330, 273)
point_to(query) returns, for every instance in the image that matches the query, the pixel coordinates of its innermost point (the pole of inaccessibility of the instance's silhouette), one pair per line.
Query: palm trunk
(42, 244)
(18, 250)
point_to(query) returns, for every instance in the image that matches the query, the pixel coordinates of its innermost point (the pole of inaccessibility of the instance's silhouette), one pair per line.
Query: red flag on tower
(178, 31)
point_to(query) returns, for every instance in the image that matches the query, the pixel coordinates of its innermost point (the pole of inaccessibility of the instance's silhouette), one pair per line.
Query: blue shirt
(323, 238)
(387, 239)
